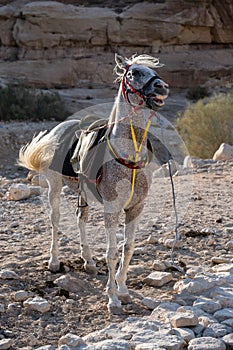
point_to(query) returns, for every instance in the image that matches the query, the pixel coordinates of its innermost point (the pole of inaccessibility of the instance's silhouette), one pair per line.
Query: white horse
(125, 176)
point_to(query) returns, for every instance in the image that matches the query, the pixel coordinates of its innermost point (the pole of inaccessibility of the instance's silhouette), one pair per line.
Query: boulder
(18, 191)
(224, 152)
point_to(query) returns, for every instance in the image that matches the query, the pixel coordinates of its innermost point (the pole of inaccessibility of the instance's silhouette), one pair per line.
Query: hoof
(114, 309)
(54, 267)
(125, 298)
(90, 269)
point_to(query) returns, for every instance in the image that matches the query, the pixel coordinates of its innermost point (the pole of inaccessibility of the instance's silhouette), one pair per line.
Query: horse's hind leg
(131, 222)
(82, 217)
(55, 186)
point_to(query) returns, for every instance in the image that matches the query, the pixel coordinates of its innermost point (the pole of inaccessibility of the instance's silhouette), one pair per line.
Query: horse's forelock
(144, 60)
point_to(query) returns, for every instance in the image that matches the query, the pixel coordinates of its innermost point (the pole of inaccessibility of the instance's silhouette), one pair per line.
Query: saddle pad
(64, 151)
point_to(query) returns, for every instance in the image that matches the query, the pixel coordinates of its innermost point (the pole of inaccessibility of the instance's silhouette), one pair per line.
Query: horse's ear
(120, 61)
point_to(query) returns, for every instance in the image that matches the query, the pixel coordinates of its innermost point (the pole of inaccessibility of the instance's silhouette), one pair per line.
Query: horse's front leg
(82, 217)
(131, 222)
(111, 222)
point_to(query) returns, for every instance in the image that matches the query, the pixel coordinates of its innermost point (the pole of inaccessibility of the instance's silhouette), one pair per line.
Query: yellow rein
(137, 150)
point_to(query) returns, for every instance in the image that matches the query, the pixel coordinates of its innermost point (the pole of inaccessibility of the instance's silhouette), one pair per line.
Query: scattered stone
(111, 344)
(150, 303)
(184, 333)
(195, 286)
(158, 279)
(198, 329)
(14, 308)
(139, 250)
(70, 283)
(222, 268)
(228, 340)
(136, 270)
(220, 260)
(206, 320)
(159, 265)
(148, 346)
(216, 330)
(229, 244)
(208, 305)
(37, 304)
(5, 344)
(228, 322)
(223, 314)
(159, 340)
(206, 343)
(134, 325)
(229, 230)
(2, 308)
(63, 241)
(18, 191)
(169, 243)
(46, 347)
(71, 340)
(224, 152)
(193, 162)
(22, 295)
(35, 190)
(8, 275)
(165, 307)
(184, 319)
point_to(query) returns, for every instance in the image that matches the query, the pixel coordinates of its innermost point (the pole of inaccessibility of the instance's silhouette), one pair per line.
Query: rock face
(55, 44)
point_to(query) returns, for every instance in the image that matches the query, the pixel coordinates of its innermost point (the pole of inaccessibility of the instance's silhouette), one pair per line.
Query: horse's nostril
(160, 84)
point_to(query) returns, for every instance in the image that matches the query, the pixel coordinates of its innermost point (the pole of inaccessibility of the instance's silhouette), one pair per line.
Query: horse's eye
(130, 75)
(133, 74)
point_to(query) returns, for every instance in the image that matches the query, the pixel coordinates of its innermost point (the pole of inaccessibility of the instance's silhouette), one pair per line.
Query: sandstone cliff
(59, 44)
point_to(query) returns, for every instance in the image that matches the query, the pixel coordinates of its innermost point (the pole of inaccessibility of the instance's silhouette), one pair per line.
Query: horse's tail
(38, 154)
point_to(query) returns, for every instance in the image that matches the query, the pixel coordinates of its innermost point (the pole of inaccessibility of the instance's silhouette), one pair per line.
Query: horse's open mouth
(156, 100)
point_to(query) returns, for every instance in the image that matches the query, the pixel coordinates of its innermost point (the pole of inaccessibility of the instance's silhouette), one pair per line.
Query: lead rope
(137, 151)
(177, 234)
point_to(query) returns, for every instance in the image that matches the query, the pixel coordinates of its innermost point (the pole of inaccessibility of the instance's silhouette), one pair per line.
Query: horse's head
(141, 85)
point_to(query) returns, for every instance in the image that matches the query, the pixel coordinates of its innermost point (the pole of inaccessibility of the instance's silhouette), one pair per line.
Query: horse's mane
(144, 60)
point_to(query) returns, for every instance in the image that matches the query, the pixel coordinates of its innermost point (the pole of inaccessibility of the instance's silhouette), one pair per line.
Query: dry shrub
(206, 124)
(21, 103)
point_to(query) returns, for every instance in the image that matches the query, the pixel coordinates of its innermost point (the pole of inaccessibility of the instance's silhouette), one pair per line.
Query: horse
(125, 177)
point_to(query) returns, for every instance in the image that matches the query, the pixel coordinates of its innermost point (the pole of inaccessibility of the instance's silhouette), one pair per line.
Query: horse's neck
(121, 131)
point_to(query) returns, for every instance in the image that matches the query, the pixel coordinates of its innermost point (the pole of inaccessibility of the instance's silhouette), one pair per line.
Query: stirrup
(80, 205)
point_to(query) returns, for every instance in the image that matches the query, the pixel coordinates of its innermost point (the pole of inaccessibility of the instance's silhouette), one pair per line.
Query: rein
(137, 151)
(134, 164)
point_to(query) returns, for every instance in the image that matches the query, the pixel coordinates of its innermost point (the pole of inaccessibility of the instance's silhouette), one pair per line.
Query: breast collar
(125, 159)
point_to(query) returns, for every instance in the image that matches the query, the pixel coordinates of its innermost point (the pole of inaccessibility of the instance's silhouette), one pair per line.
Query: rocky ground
(188, 305)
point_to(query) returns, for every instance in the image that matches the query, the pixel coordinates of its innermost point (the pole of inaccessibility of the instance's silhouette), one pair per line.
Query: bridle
(135, 163)
(128, 88)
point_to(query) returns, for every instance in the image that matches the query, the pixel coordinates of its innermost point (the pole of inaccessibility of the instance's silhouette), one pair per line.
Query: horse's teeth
(161, 97)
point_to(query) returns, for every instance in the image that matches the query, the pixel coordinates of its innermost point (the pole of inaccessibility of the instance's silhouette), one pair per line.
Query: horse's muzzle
(156, 93)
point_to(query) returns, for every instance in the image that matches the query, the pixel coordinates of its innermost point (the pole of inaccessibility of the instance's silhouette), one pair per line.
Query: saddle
(88, 156)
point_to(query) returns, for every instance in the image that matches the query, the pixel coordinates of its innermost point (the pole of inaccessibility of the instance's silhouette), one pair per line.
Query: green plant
(21, 103)
(196, 93)
(206, 124)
